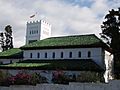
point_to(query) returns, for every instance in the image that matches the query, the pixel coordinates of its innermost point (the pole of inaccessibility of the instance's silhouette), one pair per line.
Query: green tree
(6, 39)
(111, 33)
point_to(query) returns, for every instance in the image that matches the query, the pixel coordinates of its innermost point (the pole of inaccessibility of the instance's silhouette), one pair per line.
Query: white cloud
(65, 18)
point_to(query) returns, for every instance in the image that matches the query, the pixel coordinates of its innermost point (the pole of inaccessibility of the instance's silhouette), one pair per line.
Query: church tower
(37, 30)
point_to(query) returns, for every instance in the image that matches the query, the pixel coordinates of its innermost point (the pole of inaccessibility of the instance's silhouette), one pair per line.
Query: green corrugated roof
(11, 53)
(83, 65)
(77, 40)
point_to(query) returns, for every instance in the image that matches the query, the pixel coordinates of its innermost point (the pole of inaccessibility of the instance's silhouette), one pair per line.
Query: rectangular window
(70, 55)
(30, 55)
(45, 55)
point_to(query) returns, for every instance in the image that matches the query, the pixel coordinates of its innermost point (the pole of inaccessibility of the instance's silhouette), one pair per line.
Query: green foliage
(3, 78)
(89, 76)
(111, 33)
(35, 78)
(59, 77)
(85, 76)
(111, 28)
(6, 38)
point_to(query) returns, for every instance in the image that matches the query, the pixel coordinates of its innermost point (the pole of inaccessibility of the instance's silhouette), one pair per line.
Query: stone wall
(113, 85)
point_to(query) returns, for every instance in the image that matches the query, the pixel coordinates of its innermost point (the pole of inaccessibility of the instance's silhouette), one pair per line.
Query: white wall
(109, 66)
(96, 54)
(108, 59)
(45, 30)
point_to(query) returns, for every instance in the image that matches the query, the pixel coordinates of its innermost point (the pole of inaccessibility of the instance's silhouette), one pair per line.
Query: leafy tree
(111, 33)
(6, 39)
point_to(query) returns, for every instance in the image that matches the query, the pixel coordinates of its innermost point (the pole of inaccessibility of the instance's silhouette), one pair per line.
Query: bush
(37, 78)
(20, 79)
(3, 78)
(90, 77)
(26, 79)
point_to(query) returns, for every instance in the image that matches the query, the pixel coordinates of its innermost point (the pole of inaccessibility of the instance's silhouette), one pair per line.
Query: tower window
(30, 55)
(79, 54)
(37, 31)
(89, 54)
(38, 55)
(53, 56)
(30, 32)
(45, 55)
(70, 54)
(61, 54)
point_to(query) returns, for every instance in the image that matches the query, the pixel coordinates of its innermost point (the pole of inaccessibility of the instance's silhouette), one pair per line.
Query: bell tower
(37, 30)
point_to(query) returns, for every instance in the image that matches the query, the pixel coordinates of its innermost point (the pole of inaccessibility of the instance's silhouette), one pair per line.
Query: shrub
(26, 79)
(3, 78)
(90, 77)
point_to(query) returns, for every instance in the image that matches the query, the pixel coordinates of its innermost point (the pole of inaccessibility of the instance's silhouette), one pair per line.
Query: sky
(67, 17)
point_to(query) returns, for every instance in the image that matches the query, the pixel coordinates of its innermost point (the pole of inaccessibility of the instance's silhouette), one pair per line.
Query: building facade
(68, 48)
(68, 53)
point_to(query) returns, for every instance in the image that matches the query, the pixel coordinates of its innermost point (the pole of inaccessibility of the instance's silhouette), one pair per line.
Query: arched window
(1, 62)
(61, 54)
(70, 55)
(89, 54)
(79, 54)
(53, 55)
(30, 55)
(38, 55)
(10, 61)
(45, 55)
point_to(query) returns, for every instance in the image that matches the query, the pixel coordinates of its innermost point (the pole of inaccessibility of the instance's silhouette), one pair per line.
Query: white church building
(68, 53)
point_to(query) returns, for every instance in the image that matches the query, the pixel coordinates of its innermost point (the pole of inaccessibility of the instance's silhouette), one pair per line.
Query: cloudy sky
(68, 17)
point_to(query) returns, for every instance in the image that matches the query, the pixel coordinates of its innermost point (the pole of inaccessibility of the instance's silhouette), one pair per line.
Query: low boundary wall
(112, 85)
